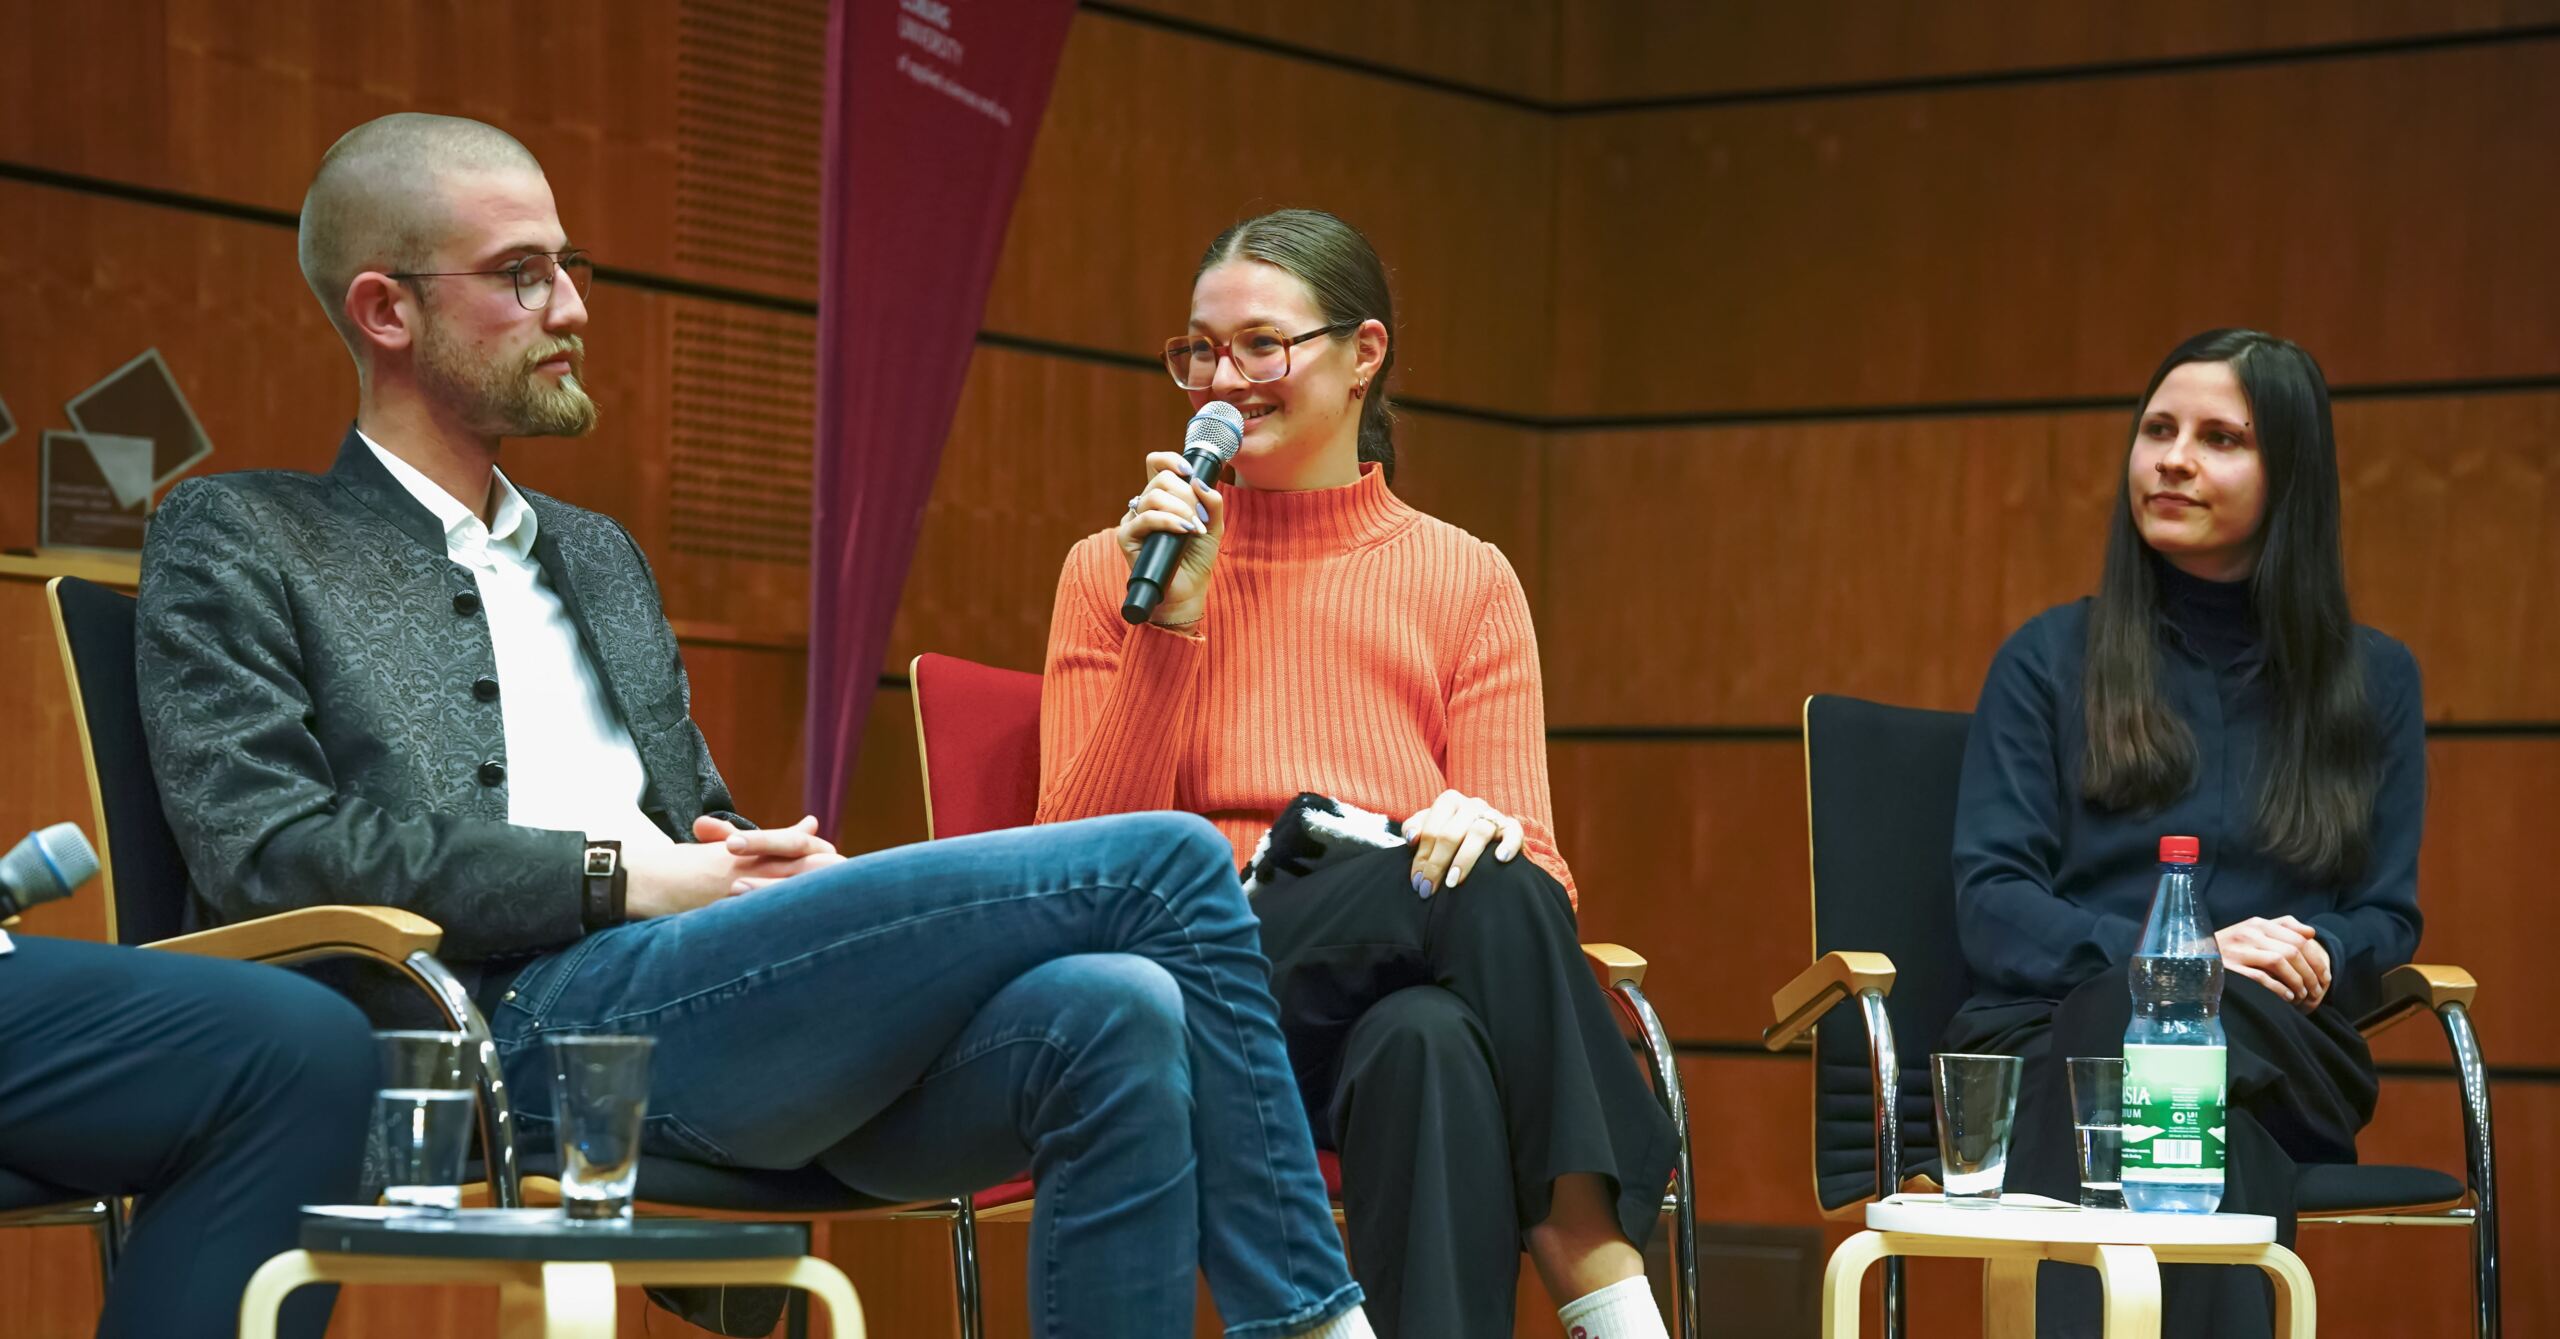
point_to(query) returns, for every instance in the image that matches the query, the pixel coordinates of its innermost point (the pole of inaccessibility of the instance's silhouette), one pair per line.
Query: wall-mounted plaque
(141, 399)
(83, 481)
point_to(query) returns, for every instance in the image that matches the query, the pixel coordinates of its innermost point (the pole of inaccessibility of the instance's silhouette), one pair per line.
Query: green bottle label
(2173, 1114)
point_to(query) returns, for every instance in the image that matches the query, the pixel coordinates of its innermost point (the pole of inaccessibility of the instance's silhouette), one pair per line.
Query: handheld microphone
(46, 866)
(1211, 438)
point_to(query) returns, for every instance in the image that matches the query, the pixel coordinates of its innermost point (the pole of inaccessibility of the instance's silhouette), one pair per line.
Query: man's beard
(505, 400)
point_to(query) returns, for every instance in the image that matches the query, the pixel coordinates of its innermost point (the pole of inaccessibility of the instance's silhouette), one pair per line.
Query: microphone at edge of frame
(45, 867)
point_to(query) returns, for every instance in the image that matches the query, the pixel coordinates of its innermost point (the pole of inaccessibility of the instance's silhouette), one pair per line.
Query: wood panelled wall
(1784, 348)
(2037, 240)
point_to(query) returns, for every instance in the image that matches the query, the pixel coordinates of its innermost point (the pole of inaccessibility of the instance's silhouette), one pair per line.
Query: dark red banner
(931, 110)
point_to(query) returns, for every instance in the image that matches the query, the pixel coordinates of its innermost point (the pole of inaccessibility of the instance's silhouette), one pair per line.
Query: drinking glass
(421, 1134)
(602, 1089)
(1977, 1101)
(2097, 1119)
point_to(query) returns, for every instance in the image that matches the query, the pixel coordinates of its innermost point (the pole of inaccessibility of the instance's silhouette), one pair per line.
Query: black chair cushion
(1844, 1153)
(151, 893)
(1881, 782)
(2324, 1188)
(699, 1185)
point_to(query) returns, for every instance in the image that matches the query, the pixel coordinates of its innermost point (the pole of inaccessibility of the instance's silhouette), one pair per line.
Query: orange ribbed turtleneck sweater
(1351, 646)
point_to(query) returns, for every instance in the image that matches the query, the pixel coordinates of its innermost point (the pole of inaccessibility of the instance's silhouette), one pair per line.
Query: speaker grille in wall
(746, 410)
(750, 96)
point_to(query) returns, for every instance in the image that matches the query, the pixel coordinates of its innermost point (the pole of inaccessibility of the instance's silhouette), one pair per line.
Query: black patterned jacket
(307, 655)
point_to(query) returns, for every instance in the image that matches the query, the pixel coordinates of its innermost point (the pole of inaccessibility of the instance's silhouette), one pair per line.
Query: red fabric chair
(978, 741)
(982, 724)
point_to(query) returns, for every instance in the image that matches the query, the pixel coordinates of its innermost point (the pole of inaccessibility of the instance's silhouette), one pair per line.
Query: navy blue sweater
(2052, 890)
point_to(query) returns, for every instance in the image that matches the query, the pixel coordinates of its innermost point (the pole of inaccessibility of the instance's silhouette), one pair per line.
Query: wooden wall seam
(2070, 73)
(1560, 106)
(1271, 46)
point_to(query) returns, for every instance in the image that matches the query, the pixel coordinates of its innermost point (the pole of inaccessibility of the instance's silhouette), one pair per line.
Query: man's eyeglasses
(1260, 353)
(533, 276)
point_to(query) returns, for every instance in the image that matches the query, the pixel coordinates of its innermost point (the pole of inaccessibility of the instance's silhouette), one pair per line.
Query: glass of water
(1977, 1101)
(601, 1091)
(2097, 1118)
(421, 1135)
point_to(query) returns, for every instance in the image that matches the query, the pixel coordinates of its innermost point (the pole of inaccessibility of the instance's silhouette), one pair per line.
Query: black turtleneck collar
(2217, 618)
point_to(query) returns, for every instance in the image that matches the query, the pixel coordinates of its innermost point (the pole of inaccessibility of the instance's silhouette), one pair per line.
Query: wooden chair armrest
(1836, 976)
(2415, 988)
(314, 932)
(1612, 964)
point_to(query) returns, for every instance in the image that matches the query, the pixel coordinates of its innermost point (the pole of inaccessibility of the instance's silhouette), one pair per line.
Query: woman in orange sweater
(1321, 636)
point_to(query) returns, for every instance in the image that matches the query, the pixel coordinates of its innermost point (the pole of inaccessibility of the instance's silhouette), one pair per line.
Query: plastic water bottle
(2175, 1062)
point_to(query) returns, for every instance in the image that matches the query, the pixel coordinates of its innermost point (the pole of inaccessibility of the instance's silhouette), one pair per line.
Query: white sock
(1352, 1324)
(1623, 1310)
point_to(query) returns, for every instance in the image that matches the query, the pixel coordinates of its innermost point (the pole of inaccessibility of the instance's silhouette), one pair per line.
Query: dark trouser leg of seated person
(1503, 943)
(790, 1018)
(2300, 1087)
(1426, 1181)
(227, 1095)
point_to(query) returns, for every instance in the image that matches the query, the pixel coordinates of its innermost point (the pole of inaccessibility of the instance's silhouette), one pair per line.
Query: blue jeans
(1086, 999)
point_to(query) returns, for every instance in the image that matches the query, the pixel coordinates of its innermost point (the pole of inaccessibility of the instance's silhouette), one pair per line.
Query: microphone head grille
(71, 852)
(1218, 427)
(47, 865)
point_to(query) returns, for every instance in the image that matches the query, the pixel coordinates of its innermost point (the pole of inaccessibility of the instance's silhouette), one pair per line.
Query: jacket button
(466, 603)
(493, 772)
(485, 689)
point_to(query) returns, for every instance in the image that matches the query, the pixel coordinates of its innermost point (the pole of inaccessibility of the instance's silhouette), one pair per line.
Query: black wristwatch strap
(602, 885)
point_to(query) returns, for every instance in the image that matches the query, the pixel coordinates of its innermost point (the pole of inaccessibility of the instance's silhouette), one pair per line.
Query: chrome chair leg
(1668, 1090)
(1886, 1074)
(497, 1110)
(110, 1229)
(964, 1267)
(2480, 1148)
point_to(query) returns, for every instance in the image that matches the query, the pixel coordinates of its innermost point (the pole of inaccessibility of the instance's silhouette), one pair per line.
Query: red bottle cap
(2178, 850)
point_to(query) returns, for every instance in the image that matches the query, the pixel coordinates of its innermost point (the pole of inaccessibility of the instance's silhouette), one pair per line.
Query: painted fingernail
(1209, 489)
(1422, 885)
(1201, 512)
(1182, 467)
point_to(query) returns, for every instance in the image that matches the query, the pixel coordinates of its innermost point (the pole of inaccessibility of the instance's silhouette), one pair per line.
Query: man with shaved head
(387, 198)
(408, 682)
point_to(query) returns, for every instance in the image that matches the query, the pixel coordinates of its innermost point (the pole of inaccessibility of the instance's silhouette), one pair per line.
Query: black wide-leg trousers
(2300, 1086)
(1458, 1054)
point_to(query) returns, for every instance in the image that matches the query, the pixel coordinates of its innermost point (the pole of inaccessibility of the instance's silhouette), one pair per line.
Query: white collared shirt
(571, 765)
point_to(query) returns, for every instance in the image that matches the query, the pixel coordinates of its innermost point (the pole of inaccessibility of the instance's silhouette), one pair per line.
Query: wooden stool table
(2025, 1230)
(555, 1278)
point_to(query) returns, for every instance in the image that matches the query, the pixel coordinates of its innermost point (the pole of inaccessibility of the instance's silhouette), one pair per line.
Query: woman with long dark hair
(1324, 651)
(2214, 687)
